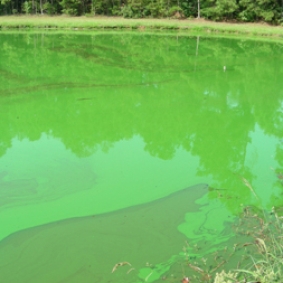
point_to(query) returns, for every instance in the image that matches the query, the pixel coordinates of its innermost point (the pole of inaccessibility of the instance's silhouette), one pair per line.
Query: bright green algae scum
(102, 133)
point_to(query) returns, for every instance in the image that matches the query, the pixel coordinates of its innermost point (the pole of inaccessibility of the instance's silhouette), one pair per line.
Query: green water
(94, 123)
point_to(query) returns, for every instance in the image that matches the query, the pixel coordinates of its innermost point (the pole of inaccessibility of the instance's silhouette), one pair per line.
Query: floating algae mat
(88, 248)
(101, 133)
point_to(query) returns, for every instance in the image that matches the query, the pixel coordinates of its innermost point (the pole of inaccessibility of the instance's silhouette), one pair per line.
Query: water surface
(94, 123)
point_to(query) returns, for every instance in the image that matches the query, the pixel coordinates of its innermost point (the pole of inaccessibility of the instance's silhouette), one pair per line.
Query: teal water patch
(207, 226)
(40, 171)
(262, 157)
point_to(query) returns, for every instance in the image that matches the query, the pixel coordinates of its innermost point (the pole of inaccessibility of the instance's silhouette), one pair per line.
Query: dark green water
(95, 123)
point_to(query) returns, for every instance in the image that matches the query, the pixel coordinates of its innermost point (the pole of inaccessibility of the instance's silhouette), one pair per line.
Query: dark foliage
(270, 11)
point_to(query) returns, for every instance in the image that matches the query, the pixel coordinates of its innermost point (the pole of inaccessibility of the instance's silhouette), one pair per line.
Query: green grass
(118, 23)
(265, 250)
(254, 254)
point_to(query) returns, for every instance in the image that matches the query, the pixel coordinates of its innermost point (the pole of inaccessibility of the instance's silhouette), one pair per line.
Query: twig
(120, 264)
(146, 278)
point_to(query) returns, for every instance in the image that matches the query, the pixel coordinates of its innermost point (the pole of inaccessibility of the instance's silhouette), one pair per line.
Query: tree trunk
(41, 7)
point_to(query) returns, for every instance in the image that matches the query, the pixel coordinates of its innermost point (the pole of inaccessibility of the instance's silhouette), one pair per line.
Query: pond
(120, 149)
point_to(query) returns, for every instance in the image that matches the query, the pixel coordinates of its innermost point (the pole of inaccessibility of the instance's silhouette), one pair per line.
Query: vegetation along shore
(117, 23)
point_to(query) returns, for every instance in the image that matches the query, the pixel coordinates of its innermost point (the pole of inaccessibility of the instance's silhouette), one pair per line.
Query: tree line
(270, 11)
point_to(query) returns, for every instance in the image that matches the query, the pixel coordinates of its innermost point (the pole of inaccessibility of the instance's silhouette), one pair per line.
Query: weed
(253, 255)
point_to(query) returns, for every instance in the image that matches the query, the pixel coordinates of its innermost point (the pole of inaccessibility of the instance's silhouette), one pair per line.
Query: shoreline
(38, 22)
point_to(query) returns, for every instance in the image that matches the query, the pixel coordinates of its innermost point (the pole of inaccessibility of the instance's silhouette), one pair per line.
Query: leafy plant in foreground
(265, 230)
(256, 255)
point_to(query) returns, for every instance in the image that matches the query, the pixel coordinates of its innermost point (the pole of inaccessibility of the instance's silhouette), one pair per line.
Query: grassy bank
(93, 23)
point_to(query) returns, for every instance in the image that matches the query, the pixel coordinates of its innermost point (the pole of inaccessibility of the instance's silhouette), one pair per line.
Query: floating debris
(120, 264)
